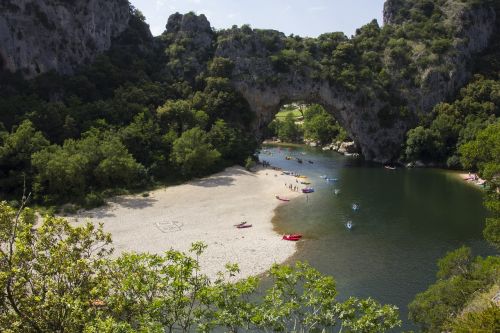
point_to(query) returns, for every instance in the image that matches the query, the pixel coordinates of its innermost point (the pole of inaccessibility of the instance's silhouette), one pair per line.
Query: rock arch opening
(301, 122)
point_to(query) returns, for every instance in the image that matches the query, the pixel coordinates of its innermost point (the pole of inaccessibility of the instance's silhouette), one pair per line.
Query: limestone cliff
(37, 36)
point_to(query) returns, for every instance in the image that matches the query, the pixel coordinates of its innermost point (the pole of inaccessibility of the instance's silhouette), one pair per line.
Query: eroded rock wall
(37, 36)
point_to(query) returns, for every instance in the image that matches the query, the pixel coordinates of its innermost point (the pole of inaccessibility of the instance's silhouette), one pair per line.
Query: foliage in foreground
(460, 277)
(60, 278)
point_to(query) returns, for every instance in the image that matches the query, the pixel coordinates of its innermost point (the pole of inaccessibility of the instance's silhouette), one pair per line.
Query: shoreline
(204, 210)
(464, 177)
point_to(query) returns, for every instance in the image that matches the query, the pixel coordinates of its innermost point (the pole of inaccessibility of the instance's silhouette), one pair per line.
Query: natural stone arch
(359, 121)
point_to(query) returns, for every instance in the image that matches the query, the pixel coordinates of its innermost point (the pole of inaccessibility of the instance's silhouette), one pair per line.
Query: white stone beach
(204, 210)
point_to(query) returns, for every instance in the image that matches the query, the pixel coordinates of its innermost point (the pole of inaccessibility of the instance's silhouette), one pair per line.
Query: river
(407, 219)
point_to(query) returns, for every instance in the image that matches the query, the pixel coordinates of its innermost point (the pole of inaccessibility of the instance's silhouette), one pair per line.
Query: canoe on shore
(282, 199)
(292, 237)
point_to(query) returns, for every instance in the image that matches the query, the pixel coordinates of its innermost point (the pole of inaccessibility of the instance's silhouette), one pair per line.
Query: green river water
(408, 218)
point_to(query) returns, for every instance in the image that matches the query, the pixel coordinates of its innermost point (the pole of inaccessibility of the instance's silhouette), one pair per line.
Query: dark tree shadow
(134, 202)
(226, 178)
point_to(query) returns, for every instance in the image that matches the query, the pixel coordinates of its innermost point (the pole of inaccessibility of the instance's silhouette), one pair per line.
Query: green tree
(97, 161)
(16, 149)
(303, 300)
(162, 295)
(49, 275)
(287, 130)
(483, 154)
(420, 144)
(193, 153)
(459, 277)
(143, 140)
(229, 304)
(319, 125)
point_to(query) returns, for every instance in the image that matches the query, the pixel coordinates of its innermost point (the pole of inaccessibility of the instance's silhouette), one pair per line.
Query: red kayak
(293, 237)
(282, 199)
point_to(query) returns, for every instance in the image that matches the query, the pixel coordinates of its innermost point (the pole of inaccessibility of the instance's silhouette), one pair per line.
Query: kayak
(243, 226)
(292, 238)
(308, 190)
(389, 167)
(305, 183)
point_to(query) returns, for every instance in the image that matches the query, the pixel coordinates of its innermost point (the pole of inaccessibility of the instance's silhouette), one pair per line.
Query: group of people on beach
(473, 177)
(292, 187)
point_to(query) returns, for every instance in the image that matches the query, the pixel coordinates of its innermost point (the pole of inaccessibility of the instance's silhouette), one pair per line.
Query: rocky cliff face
(190, 41)
(37, 36)
(474, 29)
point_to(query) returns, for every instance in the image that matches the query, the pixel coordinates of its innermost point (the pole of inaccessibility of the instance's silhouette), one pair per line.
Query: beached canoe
(292, 238)
(243, 226)
(305, 183)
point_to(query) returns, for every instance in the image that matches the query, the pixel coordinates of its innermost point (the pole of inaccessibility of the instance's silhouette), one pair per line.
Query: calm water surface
(408, 218)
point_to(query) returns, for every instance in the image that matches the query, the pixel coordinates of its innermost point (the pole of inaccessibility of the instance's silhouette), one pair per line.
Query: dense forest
(161, 110)
(127, 121)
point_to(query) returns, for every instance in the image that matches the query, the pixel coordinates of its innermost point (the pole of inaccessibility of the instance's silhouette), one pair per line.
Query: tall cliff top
(189, 22)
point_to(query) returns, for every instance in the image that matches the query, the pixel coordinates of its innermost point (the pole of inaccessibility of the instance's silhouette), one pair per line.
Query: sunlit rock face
(37, 36)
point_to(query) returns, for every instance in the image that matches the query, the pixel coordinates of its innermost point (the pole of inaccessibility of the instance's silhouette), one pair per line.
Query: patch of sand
(204, 210)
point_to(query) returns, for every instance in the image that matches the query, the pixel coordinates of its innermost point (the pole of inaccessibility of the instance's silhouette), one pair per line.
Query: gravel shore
(204, 210)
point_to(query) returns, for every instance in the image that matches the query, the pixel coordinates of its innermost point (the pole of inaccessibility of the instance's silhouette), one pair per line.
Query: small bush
(249, 163)
(93, 200)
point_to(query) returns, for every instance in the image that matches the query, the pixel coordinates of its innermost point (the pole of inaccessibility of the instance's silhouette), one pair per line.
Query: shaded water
(408, 218)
